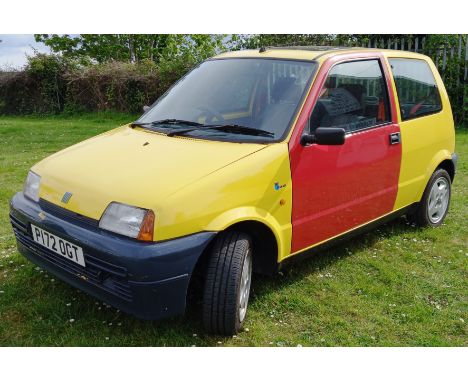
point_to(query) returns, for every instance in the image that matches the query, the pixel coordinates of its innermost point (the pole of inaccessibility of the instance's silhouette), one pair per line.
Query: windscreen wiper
(162, 122)
(230, 128)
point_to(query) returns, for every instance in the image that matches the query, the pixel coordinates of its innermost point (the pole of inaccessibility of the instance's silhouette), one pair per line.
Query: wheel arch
(264, 243)
(266, 247)
(281, 232)
(439, 160)
(447, 165)
(269, 241)
(265, 256)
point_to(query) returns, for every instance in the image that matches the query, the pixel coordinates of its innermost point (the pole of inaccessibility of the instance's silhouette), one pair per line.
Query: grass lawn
(395, 286)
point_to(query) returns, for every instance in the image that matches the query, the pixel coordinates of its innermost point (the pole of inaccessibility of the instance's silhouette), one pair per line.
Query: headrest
(285, 90)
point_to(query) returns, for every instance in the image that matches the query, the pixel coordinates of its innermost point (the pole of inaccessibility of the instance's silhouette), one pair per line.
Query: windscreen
(261, 94)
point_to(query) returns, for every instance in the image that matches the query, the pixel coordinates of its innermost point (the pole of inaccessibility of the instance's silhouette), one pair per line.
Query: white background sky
(15, 47)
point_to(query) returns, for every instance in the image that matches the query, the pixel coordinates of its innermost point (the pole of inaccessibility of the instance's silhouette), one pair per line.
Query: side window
(416, 87)
(353, 97)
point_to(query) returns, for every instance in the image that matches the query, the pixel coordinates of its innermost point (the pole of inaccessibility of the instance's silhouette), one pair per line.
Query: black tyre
(433, 207)
(227, 284)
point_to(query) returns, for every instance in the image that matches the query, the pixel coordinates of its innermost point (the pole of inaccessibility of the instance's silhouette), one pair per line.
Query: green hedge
(50, 84)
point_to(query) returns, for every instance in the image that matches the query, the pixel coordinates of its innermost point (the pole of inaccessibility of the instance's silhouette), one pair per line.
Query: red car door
(338, 188)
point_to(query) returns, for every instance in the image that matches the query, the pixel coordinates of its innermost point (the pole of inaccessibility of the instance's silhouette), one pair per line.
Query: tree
(255, 41)
(132, 47)
(258, 40)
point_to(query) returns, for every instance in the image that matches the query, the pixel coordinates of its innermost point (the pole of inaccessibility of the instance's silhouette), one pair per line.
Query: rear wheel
(227, 283)
(433, 207)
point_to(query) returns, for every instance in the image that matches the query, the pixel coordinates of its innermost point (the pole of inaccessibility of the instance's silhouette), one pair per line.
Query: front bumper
(148, 280)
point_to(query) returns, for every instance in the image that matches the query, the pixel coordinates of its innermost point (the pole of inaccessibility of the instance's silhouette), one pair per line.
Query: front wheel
(227, 283)
(433, 207)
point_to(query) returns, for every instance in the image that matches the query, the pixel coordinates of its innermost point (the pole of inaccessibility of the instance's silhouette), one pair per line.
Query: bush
(39, 88)
(114, 85)
(51, 84)
(18, 94)
(47, 74)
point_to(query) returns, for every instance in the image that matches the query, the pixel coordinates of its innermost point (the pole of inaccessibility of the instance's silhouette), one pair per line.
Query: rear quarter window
(417, 91)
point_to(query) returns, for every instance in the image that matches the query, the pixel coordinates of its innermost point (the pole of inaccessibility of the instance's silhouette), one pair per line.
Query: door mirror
(146, 108)
(325, 136)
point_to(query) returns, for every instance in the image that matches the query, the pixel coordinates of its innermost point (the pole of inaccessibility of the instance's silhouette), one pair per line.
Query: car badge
(66, 197)
(279, 186)
(42, 215)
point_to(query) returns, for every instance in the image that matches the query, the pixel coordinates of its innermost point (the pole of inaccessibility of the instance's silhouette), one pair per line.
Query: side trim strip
(306, 252)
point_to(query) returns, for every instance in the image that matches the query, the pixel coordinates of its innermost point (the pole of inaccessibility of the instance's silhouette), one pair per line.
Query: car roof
(311, 53)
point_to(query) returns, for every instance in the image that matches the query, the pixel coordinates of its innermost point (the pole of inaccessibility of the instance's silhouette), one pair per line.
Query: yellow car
(252, 159)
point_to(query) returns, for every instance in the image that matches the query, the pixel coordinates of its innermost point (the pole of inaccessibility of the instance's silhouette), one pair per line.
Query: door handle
(395, 138)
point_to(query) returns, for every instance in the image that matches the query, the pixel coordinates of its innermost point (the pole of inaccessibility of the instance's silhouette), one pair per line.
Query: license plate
(56, 244)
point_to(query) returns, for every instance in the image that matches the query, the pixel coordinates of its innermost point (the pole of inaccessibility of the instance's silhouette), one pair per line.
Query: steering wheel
(211, 115)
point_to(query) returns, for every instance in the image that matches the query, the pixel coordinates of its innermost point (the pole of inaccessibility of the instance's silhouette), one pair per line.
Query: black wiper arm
(233, 128)
(236, 129)
(174, 121)
(170, 121)
(173, 133)
(139, 124)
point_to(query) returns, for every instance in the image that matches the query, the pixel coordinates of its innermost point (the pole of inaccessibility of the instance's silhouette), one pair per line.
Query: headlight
(31, 186)
(129, 221)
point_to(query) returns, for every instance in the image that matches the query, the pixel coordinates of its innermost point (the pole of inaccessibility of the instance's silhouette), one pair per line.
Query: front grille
(100, 273)
(18, 225)
(63, 213)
